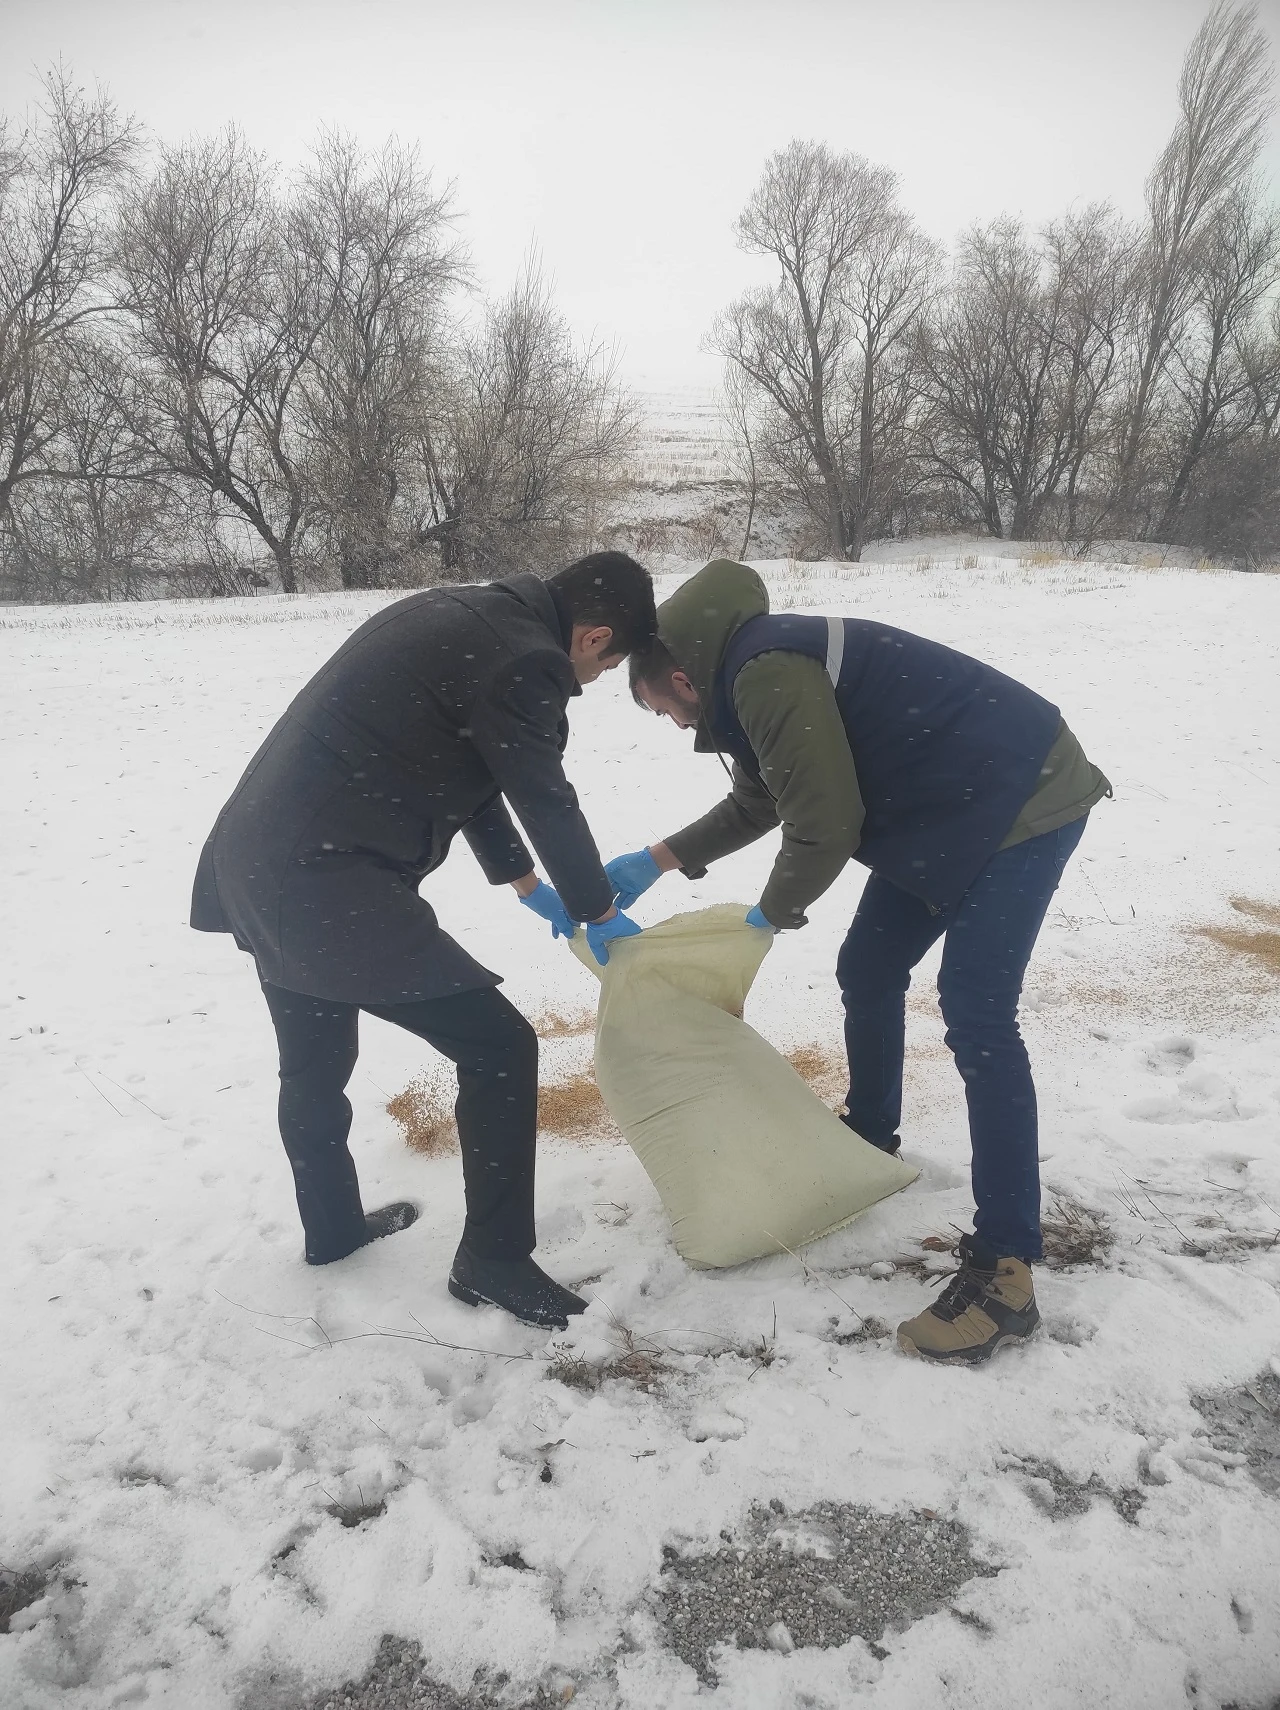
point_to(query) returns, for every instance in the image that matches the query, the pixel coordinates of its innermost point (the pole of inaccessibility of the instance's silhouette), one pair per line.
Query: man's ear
(681, 683)
(594, 640)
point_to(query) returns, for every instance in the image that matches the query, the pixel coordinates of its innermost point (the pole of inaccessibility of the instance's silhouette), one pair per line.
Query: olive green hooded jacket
(808, 780)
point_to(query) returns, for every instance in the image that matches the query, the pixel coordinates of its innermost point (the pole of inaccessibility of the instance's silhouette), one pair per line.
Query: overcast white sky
(623, 136)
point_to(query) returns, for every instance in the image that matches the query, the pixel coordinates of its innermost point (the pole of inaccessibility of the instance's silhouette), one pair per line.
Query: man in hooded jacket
(430, 719)
(965, 793)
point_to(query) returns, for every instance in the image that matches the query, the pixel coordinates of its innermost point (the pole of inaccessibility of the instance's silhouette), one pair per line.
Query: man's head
(658, 684)
(608, 599)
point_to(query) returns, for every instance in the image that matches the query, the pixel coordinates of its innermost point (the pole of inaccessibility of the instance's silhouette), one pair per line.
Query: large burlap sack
(746, 1158)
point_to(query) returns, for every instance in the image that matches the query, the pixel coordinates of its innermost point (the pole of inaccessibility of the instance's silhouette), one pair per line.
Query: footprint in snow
(1196, 1098)
(712, 1426)
(1169, 1056)
(564, 1223)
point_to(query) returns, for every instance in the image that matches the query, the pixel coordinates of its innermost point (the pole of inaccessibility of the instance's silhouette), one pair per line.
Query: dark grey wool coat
(416, 729)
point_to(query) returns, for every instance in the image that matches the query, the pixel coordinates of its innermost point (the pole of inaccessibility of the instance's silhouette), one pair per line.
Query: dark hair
(609, 588)
(652, 664)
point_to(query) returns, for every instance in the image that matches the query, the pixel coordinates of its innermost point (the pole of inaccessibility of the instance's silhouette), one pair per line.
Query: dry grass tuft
(869, 1329)
(552, 1024)
(1260, 940)
(574, 1109)
(1039, 559)
(19, 1589)
(352, 1514)
(425, 1117)
(1075, 1235)
(640, 1363)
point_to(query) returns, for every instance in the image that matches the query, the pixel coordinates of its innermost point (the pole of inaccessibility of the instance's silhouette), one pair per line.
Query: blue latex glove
(756, 918)
(546, 902)
(631, 875)
(601, 932)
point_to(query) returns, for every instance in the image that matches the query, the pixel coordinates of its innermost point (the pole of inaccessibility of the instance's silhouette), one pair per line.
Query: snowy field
(681, 436)
(189, 1414)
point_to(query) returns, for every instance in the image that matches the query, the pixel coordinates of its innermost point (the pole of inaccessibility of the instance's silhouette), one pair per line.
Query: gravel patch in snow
(1062, 1497)
(398, 1681)
(1246, 1421)
(821, 1577)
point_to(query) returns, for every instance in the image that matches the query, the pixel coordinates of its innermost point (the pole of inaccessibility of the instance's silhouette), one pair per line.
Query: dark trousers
(990, 934)
(496, 1053)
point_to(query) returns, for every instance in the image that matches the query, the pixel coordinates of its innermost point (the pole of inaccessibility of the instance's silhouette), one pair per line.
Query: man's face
(677, 700)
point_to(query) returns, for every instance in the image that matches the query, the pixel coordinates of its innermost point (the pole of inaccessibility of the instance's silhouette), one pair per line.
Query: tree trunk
(865, 489)
(1182, 480)
(284, 564)
(751, 500)
(835, 514)
(857, 533)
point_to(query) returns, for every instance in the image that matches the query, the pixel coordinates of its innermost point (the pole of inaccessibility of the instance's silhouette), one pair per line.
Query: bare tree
(533, 425)
(53, 181)
(377, 234)
(1224, 98)
(223, 314)
(826, 352)
(103, 525)
(1020, 365)
(1090, 257)
(889, 285)
(965, 355)
(1212, 374)
(815, 213)
(743, 438)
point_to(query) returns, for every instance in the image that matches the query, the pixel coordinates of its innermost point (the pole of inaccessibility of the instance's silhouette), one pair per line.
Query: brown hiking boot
(988, 1302)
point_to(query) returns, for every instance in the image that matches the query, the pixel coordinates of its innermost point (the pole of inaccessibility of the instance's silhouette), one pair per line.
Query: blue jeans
(990, 934)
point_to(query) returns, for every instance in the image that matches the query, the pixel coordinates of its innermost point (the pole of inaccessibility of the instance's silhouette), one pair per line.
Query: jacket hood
(696, 624)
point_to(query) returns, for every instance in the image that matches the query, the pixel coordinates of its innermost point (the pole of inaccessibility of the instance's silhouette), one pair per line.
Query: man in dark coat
(965, 793)
(437, 713)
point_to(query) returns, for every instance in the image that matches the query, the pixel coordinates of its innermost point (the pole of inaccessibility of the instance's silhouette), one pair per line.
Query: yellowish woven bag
(746, 1158)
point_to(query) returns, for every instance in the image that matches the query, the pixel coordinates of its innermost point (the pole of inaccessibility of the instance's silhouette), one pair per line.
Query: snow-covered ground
(187, 1409)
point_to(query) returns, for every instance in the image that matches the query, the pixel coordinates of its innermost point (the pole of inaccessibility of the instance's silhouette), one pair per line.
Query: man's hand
(546, 902)
(631, 875)
(601, 932)
(757, 917)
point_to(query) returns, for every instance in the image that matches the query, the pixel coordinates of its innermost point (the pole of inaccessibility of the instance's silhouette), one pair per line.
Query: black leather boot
(518, 1286)
(386, 1220)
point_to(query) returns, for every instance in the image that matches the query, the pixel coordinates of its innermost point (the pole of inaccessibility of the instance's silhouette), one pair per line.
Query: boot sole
(470, 1297)
(974, 1356)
